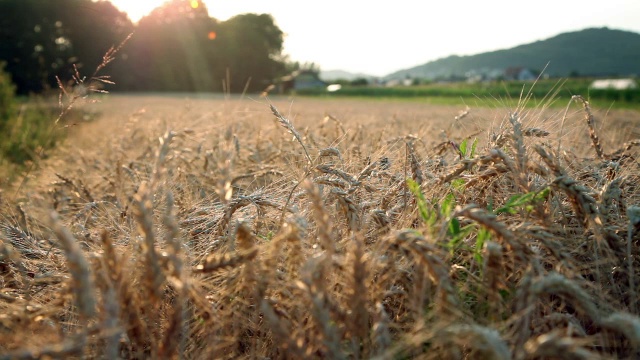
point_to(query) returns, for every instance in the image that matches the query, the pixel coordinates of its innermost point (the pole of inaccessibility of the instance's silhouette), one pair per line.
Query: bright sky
(380, 37)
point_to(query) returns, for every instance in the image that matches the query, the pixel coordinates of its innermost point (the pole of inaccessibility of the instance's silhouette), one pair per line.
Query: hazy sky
(379, 37)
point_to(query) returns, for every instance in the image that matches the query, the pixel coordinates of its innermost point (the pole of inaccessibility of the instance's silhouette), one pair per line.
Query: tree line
(177, 47)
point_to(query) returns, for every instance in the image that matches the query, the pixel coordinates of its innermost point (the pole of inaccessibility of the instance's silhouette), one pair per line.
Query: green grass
(28, 127)
(30, 133)
(505, 92)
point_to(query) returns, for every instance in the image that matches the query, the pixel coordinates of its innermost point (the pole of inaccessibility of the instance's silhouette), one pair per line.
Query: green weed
(523, 201)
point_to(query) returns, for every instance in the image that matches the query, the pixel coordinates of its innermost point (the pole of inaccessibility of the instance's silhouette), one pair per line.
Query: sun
(138, 9)
(221, 10)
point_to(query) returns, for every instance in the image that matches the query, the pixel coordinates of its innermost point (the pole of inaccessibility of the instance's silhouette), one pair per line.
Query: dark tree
(42, 39)
(251, 47)
(360, 82)
(177, 47)
(92, 28)
(173, 49)
(180, 48)
(7, 103)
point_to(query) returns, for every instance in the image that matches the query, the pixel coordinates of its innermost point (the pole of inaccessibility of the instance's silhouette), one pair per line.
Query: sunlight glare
(221, 10)
(137, 9)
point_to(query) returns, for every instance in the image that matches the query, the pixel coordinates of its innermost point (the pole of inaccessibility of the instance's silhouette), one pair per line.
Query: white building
(616, 84)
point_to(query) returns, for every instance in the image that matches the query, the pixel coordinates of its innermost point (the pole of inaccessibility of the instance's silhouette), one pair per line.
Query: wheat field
(272, 228)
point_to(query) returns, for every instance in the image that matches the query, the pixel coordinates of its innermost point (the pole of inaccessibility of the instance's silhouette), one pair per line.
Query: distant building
(519, 73)
(300, 80)
(616, 84)
(392, 83)
(407, 81)
(483, 74)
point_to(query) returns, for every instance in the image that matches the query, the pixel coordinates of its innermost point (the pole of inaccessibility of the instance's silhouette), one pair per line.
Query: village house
(519, 73)
(615, 84)
(300, 80)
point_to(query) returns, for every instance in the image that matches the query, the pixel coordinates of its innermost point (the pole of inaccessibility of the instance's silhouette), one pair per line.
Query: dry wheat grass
(225, 238)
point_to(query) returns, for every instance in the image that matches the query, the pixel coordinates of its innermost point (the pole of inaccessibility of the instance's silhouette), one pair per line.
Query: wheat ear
(591, 124)
(286, 123)
(83, 284)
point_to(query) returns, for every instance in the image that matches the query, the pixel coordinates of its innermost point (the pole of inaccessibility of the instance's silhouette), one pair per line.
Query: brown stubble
(342, 265)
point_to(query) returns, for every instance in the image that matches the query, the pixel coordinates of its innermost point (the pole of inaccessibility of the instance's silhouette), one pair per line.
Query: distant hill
(589, 52)
(331, 75)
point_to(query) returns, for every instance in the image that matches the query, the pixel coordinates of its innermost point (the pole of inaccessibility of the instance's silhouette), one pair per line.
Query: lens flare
(194, 4)
(212, 35)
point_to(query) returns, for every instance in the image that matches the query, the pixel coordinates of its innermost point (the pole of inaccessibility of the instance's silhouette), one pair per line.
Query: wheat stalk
(416, 171)
(358, 299)
(323, 224)
(81, 274)
(493, 271)
(591, 125)
(489, 221)
(286, 123)
(486, 341)
(143, 212)
(552, 344)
